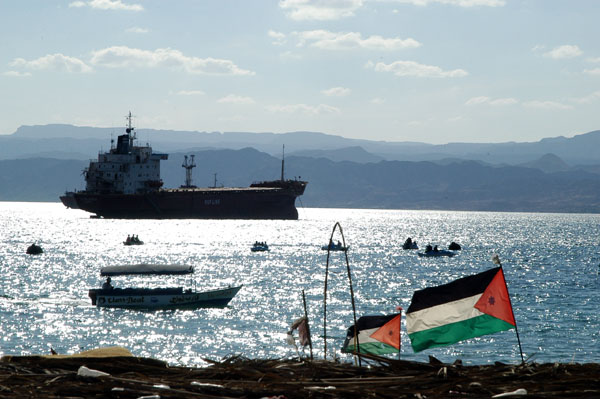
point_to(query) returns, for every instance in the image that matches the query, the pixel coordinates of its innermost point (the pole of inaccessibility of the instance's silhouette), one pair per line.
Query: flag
(300, 324)
(466, 308)
(377, 335)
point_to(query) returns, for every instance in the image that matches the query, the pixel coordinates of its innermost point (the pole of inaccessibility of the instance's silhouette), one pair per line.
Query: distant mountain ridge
(460, 185)
(32, 140)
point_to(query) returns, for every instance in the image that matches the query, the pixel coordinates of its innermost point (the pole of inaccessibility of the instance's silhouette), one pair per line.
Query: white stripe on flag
(436, 316)
(364, 336)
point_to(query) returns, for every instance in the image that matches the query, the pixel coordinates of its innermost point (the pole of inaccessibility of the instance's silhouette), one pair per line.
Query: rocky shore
(238, 377)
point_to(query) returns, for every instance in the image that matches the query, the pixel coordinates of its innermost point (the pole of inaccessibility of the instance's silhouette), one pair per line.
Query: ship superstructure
(125, 183)
(126, 169)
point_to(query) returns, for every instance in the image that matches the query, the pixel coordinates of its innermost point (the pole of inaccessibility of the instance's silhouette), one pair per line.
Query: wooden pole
(307, 326)
(338, 226)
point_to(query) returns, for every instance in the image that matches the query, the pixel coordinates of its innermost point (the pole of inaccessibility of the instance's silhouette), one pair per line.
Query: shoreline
(239, 377)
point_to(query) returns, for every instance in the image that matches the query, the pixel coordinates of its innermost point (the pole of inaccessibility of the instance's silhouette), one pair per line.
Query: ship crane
(188, 171)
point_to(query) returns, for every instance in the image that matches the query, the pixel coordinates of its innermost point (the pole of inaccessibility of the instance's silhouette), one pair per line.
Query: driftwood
(239, 377)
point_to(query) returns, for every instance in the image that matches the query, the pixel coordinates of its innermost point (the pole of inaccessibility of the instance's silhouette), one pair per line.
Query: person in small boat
(428, 248)
(435, 249)
(128, 240)
(454, 246)
(339, 244)
(107, 285)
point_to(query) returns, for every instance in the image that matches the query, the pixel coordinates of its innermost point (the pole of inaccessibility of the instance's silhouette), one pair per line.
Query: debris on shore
(126, 376)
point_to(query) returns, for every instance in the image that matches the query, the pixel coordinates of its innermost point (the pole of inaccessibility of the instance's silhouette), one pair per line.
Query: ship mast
(130, 131)
(188, 169)
(282, 161)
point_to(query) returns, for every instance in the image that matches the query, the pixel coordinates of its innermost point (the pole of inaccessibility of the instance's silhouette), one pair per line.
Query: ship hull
(218, 203)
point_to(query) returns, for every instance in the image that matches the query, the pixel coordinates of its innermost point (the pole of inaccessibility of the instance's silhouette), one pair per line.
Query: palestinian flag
(466, 308)
(377, 335)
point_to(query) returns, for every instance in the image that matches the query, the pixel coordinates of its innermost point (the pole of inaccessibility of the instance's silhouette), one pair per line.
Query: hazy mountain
(35, 140)
(548, 163)
(38, 179)
(353, 154)
(462, 185)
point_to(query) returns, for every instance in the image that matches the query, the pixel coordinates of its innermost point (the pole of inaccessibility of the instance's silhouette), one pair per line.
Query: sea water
(551, 263)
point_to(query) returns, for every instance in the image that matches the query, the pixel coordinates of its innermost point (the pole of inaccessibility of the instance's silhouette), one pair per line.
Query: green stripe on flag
(374, 348)
(454, 332)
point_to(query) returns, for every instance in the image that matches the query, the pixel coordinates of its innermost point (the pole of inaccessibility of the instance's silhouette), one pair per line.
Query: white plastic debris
(289, 339)
(205, 384)
(161, 386)
(118, 389)
(149, 397)
(518, 392)
(85, 372)
(327, 388)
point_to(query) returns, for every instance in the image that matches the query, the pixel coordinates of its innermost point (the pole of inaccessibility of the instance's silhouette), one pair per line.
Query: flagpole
(496, 260)
(307, 326)
(399, 308)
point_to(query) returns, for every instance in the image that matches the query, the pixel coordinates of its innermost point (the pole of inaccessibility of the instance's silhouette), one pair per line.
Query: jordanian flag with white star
(466, 308)
(377, 335)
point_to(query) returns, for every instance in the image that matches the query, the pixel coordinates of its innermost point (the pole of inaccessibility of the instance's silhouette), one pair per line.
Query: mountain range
(39, 163)
(75, 142)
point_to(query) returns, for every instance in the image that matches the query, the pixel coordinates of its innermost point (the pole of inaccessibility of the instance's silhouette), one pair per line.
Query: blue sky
(434, 71)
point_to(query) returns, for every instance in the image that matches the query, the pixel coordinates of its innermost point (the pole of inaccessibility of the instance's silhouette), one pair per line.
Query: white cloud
(190, 93)
(538, 47)
(377, 100)
(288, 55)
(57, 62)
(504, 101)
(327, 40)
(324, 10)
(278, 37)
(546, 105)
(562, 52)
(594, 60)
(478, 100)
(107, 5)
(595, 71)
(136, 29)
(459, 3)
(16, 74)
(414, 69)
(320, 10)
(595, 96)
(235, 99)
(336, 92)
(491, 101)
(303, 108)
(126, 57)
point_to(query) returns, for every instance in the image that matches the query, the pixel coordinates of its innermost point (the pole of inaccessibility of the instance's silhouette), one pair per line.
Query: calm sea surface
(551, 263)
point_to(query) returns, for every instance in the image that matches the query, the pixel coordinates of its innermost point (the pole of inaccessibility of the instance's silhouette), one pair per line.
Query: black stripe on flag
(462, 288)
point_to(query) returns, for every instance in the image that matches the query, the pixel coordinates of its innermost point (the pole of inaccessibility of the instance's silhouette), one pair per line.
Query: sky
(434, 71)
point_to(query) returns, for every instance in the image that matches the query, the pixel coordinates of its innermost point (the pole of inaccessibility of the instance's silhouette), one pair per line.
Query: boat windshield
(144, 268)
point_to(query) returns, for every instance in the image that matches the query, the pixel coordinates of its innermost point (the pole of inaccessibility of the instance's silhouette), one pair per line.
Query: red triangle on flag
(389, 333)
(495, 301)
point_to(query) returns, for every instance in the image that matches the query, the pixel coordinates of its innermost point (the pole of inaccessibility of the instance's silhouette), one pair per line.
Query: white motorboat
(157, 298)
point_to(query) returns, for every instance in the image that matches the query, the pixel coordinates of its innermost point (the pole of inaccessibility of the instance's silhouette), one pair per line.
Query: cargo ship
(125, 183)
